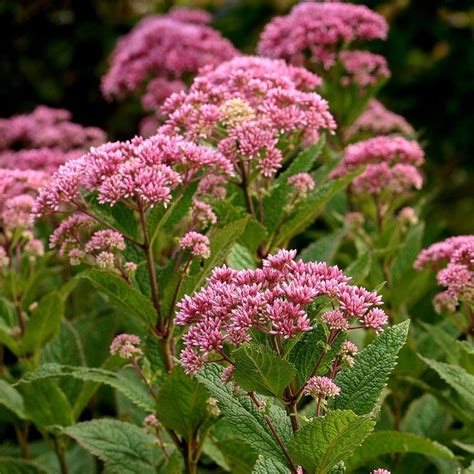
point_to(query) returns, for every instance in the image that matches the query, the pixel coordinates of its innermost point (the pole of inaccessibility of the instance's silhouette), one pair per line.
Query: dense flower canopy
(272, 299)
(144, 170)
(164, 49)
(317, 30)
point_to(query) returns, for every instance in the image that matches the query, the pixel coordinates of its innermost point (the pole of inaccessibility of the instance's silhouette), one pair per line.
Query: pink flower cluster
(317, 30)
(458, 276)
(245, 105)
(164, 49)
(197, 243)
(321, 387)
(127, 346)
(391, 165)
(141, 171)
(47, 128)
(302, 183)
(363, 68)
(272, 300)
(18, 189)
(378, 120)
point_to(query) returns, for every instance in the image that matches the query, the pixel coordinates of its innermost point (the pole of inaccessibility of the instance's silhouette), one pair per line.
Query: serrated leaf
(408, 252)
(137, 393)
(161, 218)
(325, 441)
(268, 466)
(240, 258)
(460, 380)
(221, 242)
(122, 295)
(46, 404)
(386, 442)
(425, 417)
(276, 200)
(359, 268)
(362, 384)
(125, 448)
(312, 207)
(19, 466)
(259, 369)
(44, 322)
(181, 404)
(11, 399)
(243, 418)
(307, 351)
(323, 249)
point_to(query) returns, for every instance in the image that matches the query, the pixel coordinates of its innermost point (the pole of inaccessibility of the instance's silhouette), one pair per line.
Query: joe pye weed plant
(171, 303)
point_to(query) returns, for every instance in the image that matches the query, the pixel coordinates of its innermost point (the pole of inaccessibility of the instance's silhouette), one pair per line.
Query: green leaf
(443, 340)
(46, 404)
(181, 404)
(240, 258)
(362, 384)
(11, 399)
(323, 249)
(387, 442)
(119, 216)
(460, 380)
(325, 441)
(137, 393)
(221, 242)
(407, 254)
(312, 207)
(19, 466)
(244, 419)
(125, 448)
(122, 295)
(268, 466)
(425, 416)
(44, 322)
(308, 350)
(259, 369)
(359, 268)
(161, 218)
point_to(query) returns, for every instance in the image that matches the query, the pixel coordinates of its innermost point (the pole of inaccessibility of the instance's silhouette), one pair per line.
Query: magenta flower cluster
(245, 105)
(391, 165)
(163, 49)
(272, 299)
(141, 171)
(454, 260)
(378, 120)
(127, 346)
(317, 30)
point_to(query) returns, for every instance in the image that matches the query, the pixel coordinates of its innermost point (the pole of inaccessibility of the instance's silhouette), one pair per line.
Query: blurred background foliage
(54, 52)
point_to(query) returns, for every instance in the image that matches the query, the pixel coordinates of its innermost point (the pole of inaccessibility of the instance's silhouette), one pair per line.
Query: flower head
(302, 183)
(316, 30)
(321, 387)
(126, 346)
(197, 243)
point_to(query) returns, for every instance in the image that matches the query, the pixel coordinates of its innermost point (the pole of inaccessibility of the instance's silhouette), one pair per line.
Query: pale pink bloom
(197, 243)
(190, 15)
(47, 128)
(130, 267)
(408, 216)
(302, 183)
(380, 471)
(203, 213)
(314, 32)
(17, 211)
(105, 240)
(363, 68)
(391, 165)
(151, 424)
(227, 373)
(34, 248)
(126, 346)
(213, 186)
(321, 387)
(335, 319)
(378, 120)
(70, 230)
